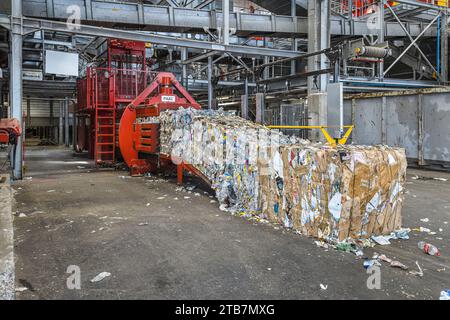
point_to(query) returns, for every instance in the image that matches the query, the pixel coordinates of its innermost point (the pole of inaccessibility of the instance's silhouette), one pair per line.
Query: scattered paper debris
(100, 276)
(385, 259)
(425, 220)
(21, 289)
(402, 233)
(398, 264)
(143, 224)
(408, 295)
(381, 240)
(49, 191)
(417, 273)
(186, 197)
(358, 253)
(392, 263)
(321, 244)
(161, 198)
(366, 243)
(323, 287)
(422, 229)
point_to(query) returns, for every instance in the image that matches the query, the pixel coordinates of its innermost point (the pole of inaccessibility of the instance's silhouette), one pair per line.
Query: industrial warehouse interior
(232, 150)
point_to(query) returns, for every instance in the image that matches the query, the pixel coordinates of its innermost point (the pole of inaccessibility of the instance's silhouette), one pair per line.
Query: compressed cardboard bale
(340, 191)
(319, 190)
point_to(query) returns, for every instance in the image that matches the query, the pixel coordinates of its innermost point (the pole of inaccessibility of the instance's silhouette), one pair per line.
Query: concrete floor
(68, 213)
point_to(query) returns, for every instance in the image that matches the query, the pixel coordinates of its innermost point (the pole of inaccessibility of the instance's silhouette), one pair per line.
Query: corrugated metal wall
(41, 108)
(40, 112)
(417, 122)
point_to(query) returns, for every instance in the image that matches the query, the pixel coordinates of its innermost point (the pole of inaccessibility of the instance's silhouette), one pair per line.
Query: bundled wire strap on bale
(333, 193)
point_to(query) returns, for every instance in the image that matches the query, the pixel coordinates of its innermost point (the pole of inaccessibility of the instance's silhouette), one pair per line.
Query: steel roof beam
(160, 18)
(48, 25)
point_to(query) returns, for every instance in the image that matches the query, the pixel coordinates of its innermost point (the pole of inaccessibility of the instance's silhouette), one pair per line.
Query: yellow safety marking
(329, 138)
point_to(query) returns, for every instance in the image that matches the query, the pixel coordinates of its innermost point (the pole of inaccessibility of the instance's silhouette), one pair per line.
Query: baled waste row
(332, 193)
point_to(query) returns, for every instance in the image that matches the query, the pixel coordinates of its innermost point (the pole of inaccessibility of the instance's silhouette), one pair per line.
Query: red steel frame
(104, 93)
(123, 90)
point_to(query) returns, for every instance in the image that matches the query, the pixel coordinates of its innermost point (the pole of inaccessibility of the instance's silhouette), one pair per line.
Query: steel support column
(16, 89)
(74, 131)
(384, 120)
(210, 83)
(61, 123)
(1, 102)
(244, 106)
(51, 119)
(244, 99)
(318, 39)
(226, 21)
(350, 10)
(444, 46)
(381, 39)
(184, 56)
(294, 41)
(259, 99)
(266, 61)
(66, 123)
(420, 145)
(28, 124)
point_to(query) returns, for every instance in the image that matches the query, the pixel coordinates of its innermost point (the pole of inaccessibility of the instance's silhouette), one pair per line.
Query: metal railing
(130, 83)
(103, 87)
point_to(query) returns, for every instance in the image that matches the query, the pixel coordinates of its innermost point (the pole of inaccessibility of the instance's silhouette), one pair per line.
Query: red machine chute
(135, 138)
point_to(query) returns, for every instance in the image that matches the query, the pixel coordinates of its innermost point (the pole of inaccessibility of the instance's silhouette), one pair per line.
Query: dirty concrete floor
(68, 213)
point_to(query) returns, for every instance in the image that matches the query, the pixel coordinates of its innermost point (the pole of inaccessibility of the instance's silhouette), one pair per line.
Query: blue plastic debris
(445, 295)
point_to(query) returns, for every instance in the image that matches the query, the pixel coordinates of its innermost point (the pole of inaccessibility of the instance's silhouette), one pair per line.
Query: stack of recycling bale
(322, 191)
(337, 193)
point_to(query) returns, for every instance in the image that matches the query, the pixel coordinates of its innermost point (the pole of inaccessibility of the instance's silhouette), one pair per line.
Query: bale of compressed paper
(338, 193)
(327, 192)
